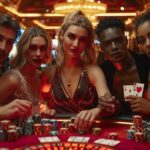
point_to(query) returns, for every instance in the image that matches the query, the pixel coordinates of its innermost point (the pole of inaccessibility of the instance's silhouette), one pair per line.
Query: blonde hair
(77, 18)
(24, 44)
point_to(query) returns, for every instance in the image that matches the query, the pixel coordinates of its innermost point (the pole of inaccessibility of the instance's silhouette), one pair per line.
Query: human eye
(43, 48)
(83, 39)
(119, 40)
(105, 43)
(71, 36)
(33, 47)
(1, 37)
(141, 40)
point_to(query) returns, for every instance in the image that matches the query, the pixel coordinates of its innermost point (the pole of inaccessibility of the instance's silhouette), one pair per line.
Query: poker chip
(5, 124)
(65, 124)
(54, 124)
(28, 127)
(12, 127)
(113, 135)
(11, 135)
(96, 130)
(37, 129)
(47, 127)
(64, 130)
(2, 137)
(54, 132)
(130, 134)
(45, 121)
(72, 119)
(36, 118)
(139, 136)
(137, 122)
(72, 127)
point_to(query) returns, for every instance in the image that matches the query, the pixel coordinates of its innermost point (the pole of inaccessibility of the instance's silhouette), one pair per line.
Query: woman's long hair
(77, 18)
(24, 44)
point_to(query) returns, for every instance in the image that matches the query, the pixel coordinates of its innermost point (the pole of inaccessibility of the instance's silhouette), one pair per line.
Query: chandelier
(89, 7)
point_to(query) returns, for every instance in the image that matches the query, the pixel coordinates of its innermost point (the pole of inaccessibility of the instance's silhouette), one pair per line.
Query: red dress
(85, 96)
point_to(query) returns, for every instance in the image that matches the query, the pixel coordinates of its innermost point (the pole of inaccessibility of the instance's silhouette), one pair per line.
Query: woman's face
(74, 41)
(37, 52)
(143, 37)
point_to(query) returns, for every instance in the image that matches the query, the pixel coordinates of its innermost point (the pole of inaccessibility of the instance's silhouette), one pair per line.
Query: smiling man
(9, 31)
(122, 66)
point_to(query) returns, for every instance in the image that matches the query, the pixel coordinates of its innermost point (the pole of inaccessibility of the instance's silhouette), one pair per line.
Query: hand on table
(85, 118)
(16, 108)
(139, 104)
(46, 111)
(108, 103)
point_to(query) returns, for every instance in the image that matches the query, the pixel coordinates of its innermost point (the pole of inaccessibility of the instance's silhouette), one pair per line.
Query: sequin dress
(84, 98)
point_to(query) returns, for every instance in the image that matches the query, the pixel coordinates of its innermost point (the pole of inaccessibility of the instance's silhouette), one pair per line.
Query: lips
(117, 56)
(38, 61)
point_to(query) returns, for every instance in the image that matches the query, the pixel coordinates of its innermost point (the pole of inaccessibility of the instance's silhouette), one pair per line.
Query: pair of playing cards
(134, 90)
(81, 139)
(49, 139)
(108, 142)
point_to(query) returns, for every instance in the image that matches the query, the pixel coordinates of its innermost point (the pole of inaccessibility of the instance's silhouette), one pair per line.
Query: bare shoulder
(93, 69)
(49, 72)
(95, 73)
(9, 80)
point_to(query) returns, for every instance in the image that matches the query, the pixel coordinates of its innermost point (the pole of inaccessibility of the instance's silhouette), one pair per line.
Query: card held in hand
(133, 90)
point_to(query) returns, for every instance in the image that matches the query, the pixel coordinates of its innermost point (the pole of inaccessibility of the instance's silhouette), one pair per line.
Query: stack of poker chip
(139, 131)
(54, 124)
(1, 135)
(8, 131)
(37, 128)
(36, 118)
(12, 135)
(47, 127)
(146, 126)
(28, 127)
(4, 128)
(130, 134)
(67, 127)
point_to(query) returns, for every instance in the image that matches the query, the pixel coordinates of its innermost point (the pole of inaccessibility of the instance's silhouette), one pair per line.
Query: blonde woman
(75, 84)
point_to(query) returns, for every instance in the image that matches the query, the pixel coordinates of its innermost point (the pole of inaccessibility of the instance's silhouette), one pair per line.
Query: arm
(9, 85)
(86, 117)
(16, 108)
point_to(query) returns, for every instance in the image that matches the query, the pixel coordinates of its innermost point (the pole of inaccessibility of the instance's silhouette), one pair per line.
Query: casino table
(119, 125)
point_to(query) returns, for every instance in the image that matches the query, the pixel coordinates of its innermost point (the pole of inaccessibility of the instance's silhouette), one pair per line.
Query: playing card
(85, 139)
(55, 139)
(78, 139)
(107, 142)
(129, 90)
(42, 140)
(49, 139)
(139, 88)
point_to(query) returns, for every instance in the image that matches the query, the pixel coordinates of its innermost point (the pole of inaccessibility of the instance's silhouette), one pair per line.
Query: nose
(76, 43)
(148, 42)
(3, 45)
(113, 44)
(38, 52)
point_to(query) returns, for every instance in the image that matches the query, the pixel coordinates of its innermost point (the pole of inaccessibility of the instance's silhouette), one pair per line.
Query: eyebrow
(13, 39)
